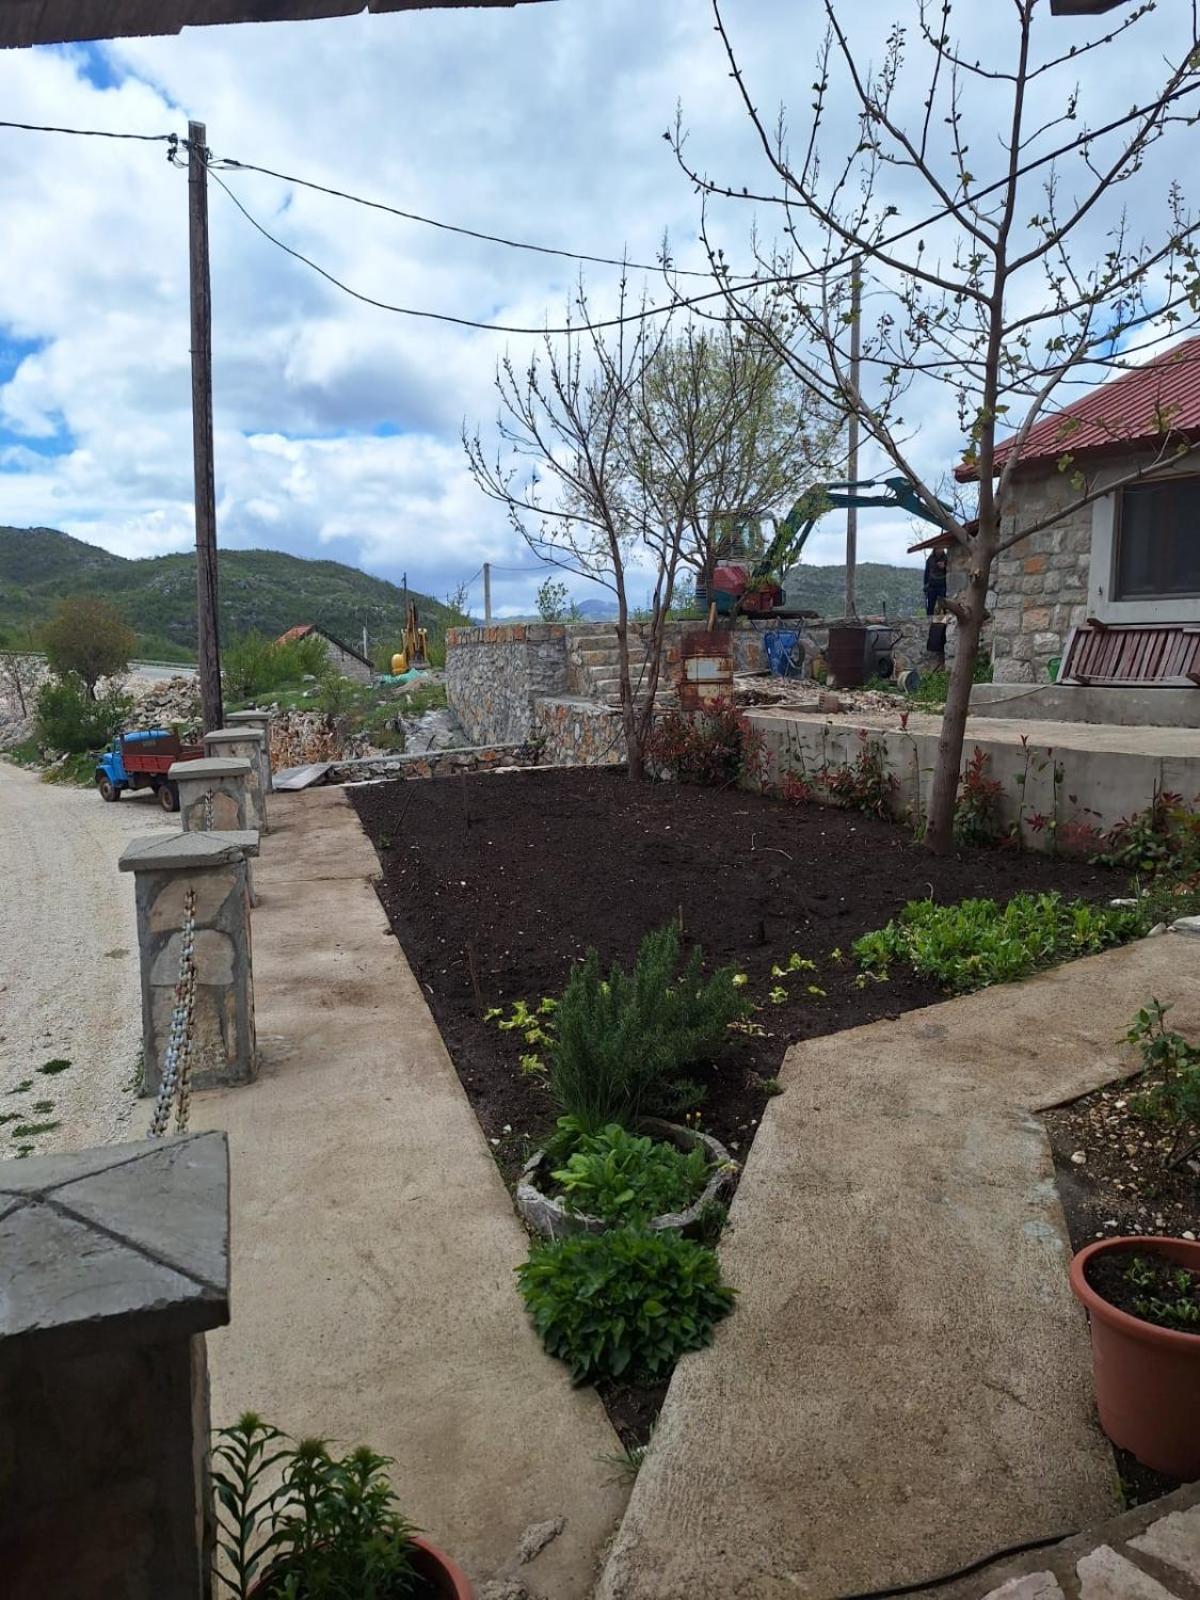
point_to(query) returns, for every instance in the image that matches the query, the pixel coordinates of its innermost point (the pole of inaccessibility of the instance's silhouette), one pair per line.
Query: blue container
(784, 657)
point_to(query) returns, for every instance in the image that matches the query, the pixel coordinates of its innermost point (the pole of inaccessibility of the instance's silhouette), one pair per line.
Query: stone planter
(545, 1215)
(446, 1577)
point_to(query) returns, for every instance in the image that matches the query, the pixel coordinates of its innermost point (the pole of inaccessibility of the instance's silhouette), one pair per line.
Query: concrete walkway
(373, 1241)
(905, 1385)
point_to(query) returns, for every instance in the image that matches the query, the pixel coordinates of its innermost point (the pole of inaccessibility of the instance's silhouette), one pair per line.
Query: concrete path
(905, 1384)
(374, 1242)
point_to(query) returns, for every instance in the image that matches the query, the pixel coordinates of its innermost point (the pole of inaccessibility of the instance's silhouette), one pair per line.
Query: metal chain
(177, 1058)
(208, 810)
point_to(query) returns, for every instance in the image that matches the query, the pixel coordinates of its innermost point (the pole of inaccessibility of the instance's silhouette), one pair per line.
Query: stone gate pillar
(212, 795)
(262, 721)
(243, 744)
(113, 1264)
(210, 869)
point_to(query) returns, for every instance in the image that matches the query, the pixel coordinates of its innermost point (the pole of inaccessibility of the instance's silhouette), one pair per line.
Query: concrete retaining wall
(1052, 793)
(1132, 707)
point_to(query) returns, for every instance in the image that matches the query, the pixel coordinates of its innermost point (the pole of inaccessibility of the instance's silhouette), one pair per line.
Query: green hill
(823, 589)
(263, 590)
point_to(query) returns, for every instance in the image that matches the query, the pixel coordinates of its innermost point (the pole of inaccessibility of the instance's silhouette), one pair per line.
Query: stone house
(348, 661)
(1129, 557)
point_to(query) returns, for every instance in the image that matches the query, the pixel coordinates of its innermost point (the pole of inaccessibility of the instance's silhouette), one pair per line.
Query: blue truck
(143, 761)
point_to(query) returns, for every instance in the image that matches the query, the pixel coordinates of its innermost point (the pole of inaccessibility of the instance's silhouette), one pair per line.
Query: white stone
(1188, 925)
(1104, 1575)
(1175, 1540)
(1033, 1586)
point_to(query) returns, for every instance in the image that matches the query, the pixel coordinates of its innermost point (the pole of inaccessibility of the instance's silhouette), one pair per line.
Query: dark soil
(495, 885)
(1159, 1283)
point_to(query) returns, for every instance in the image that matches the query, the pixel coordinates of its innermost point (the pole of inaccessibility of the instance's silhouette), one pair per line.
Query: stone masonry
(262, 721)
(243, 744)
(1040, 587)
(113, 1264)
(495, 675)
(166, 866)
(212, 794)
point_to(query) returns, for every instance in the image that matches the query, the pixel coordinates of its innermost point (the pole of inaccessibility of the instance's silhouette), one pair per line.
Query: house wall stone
(348, 665)
(1040, 586)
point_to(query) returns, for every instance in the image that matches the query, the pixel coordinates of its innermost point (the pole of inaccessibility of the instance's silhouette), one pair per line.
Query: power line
(94, 133)
(469, 233)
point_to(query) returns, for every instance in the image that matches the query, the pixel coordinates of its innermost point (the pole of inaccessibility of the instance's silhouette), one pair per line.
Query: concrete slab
(374, 1242)
(161, 852)
(905, 1384)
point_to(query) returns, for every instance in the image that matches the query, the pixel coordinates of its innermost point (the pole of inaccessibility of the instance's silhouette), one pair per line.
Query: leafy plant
(864, 784)
(331, 1531)
(716, 746)
(623, 1177)
(253, 665)
(70, 719)
(1162, 839)
(86, 640)
(1172, 1068)
(976, 819)
(620, 1040)
(623, 1301)
(1172, 1297)
(976, 942)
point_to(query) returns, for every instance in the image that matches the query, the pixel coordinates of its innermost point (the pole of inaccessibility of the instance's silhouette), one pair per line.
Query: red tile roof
(300, 631)
(1135, 409)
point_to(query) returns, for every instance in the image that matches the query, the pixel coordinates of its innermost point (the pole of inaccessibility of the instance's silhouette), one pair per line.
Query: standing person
(936, 568)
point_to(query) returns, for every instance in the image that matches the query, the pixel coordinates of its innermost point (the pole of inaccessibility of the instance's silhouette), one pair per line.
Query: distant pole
(487, 593)
(208, 645)
(366, 652)
(852, 460)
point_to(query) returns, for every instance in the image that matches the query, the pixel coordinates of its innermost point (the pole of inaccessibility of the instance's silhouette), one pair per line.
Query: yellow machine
(416, 644)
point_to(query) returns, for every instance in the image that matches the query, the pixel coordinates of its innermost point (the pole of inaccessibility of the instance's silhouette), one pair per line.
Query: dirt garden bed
(515, 876)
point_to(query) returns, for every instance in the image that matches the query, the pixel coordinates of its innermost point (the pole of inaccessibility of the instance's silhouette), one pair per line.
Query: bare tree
(620, 447)
(21, 670)
(1000, 263)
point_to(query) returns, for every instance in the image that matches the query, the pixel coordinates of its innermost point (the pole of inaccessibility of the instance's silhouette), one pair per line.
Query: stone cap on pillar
(248, 719)
(175, 852)
(125, 1244)
(229, 735)
(210, 767)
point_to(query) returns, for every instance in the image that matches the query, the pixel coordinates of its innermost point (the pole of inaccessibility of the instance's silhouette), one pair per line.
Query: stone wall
(436, 763)
(347, 663)
(1041, 585)
(580, 733)
(495, 675)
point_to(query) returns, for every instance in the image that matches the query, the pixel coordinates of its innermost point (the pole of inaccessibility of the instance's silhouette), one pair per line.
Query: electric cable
(940, 1582)
(93, 133)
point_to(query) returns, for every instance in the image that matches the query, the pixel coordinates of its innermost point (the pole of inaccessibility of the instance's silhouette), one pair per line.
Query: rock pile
(166, 705)
(299, 737)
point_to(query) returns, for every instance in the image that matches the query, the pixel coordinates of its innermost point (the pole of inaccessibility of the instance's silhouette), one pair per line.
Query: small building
(348, 661)
(1128, 559)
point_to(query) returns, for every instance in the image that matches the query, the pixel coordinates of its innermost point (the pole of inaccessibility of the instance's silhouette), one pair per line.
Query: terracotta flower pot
(1147, 1378)
(449, 1580)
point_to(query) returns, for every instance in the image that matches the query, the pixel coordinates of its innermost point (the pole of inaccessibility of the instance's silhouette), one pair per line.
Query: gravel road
(68, 962)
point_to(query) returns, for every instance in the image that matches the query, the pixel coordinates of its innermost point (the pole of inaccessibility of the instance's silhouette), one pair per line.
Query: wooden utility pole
(208, 646)
(487, 592)
(852, 456)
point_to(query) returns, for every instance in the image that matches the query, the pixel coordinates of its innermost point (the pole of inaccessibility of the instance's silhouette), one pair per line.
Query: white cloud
(336, 424)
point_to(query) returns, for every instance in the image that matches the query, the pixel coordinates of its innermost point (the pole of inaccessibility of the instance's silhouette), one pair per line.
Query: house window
(1158, 541)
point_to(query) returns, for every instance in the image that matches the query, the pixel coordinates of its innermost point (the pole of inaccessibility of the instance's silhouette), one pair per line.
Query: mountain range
(263, 590)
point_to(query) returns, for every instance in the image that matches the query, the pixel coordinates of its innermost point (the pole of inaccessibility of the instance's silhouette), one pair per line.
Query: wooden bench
(1166, 655)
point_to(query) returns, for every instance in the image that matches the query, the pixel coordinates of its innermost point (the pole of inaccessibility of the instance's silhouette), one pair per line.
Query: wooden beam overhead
(28, 22)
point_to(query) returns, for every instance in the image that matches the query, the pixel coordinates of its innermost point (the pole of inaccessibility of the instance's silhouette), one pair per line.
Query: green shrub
(620, 1041)
(1164, 839)
(622, 1177)
(254, 665)
(68, 720)
(977, 943)
(1171, 1091)
(623, 1301)
(864, 784)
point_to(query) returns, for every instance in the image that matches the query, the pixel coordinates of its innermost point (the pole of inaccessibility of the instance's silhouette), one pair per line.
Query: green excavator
(746, 584)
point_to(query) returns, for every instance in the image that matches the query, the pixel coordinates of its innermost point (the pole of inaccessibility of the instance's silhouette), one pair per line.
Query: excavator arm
(791, 534)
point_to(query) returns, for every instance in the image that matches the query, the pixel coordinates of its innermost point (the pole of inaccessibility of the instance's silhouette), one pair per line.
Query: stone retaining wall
(580, 733)
(437, 763)
(495, 675)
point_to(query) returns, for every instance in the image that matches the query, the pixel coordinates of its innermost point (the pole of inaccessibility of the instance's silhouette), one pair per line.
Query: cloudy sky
(337, 425)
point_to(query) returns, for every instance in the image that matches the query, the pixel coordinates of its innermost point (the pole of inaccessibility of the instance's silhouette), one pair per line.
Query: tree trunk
(943, 791)
(629, 721)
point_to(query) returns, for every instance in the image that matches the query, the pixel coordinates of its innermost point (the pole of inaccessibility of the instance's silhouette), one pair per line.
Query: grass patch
(26, 753)
(29, 1130)
(23, 1087)
(58, 1064)
(78, 769)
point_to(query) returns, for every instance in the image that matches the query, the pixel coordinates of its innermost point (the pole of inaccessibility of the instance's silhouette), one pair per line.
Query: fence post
(213, 867)
(115, 1262)
(243, 744)
(212, 795)
(262, 721)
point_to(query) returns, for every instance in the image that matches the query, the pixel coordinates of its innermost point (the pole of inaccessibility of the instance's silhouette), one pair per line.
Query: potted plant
(328, 1530)
(1143, 1299)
